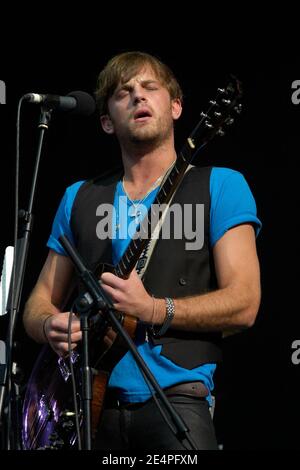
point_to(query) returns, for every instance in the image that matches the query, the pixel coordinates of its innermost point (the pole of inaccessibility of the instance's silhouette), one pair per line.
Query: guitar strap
(146, 254)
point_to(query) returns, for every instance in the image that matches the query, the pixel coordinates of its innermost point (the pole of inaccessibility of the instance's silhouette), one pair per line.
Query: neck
(143, 167)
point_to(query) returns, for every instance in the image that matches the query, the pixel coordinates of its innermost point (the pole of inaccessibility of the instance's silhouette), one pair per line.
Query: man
(187, 297)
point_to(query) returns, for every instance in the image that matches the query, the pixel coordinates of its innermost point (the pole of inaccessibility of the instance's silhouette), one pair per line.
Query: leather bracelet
(44, 324)
(170, 312)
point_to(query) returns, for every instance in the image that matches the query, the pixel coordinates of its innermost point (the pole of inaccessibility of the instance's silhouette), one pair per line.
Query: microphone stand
(97, 298)
(20, 258)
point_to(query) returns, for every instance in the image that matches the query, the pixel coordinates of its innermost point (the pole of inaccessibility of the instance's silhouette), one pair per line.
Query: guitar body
(48, 409)
(48, 398)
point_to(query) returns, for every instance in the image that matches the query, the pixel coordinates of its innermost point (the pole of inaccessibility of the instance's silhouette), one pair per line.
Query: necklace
(135, 212)
(136, 209)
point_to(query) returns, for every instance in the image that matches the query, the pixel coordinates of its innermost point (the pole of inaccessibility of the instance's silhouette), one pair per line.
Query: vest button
(182, 281)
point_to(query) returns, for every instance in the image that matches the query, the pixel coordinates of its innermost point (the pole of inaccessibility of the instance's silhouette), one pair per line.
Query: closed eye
(122, 92)
(150, 85)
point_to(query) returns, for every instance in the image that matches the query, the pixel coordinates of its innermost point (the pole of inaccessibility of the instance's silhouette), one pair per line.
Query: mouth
(141, 115)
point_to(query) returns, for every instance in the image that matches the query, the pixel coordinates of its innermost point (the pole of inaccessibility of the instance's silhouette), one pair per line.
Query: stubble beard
(152, 133)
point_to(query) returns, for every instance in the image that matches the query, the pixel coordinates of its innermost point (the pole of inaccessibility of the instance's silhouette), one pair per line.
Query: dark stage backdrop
(258, 386)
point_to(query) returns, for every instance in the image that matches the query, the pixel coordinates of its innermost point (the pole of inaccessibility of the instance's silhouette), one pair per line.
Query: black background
(258, 397)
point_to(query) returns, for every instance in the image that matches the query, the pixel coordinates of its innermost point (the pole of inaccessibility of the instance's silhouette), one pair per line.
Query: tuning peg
(208, 124)
(229, 121)
(220, 132)
(204, 115)
(213, 103)
(222, 91)
(226, 101)
(238, 108)
(217, 114)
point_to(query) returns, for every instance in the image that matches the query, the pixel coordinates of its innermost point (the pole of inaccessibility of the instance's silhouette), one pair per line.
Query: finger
(113, 293)
(62, 349)
(63, 337)
(75, 337)
(134, 274)
(111, 280)
(62, 324)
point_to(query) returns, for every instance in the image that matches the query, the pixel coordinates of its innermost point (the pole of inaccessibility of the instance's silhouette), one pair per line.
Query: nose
(138, 94)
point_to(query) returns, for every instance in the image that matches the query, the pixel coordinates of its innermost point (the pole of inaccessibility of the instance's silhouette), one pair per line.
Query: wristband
(44, 324)
(170, 312)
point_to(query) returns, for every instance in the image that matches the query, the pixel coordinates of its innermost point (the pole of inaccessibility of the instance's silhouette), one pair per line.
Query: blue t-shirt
(232, 203)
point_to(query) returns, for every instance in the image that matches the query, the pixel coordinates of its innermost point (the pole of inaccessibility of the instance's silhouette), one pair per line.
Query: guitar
(48, 410)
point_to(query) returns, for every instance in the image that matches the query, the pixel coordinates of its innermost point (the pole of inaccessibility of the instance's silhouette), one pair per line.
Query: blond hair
(123, 67)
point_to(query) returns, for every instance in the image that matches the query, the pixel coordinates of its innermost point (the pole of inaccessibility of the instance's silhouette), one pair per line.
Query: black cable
(13, 301)
(73, 381)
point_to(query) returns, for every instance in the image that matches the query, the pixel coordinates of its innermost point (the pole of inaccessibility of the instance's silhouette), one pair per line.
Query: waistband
(188, 389)
(191, 389)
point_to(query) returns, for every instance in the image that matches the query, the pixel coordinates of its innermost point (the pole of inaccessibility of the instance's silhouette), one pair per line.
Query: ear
(107, 124)
(176, 108)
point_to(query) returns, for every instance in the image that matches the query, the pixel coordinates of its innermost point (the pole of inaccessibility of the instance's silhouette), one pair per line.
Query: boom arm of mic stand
(101, 298)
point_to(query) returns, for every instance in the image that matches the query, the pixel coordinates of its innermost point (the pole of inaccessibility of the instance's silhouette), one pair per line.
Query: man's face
(141, 110)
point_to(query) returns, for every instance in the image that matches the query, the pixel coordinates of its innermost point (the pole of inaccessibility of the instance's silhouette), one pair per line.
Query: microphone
(76, 102)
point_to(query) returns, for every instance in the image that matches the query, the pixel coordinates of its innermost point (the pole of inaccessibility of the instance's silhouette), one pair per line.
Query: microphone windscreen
(86, 104)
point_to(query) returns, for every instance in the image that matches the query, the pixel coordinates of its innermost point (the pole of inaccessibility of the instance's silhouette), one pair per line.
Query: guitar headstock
(221, 113)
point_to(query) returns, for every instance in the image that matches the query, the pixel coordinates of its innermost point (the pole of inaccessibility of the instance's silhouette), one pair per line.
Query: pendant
(134, 212)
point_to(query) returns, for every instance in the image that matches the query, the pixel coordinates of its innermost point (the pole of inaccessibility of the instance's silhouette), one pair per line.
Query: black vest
(173, 271)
